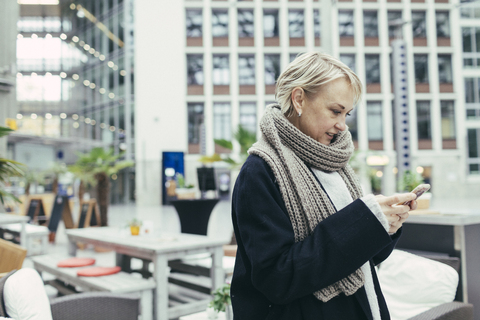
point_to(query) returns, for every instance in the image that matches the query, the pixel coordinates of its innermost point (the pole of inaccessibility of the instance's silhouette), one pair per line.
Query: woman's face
(324, 114)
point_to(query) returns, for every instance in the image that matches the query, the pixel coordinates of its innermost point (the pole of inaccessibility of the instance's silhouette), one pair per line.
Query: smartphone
(419, 190)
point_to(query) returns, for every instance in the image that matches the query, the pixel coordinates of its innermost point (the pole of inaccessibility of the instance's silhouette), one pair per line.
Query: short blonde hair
(310, 71)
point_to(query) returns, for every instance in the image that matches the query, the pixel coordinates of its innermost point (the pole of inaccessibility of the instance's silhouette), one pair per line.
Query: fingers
(399, 198)
(413, 205)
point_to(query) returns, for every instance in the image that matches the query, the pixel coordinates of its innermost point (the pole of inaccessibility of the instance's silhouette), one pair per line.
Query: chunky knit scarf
(290, 153)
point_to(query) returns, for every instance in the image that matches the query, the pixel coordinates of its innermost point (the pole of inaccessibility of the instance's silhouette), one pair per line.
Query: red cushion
(75, 262)
(97, 271)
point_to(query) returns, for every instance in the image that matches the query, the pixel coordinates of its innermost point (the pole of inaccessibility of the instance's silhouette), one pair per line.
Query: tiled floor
(164, 218)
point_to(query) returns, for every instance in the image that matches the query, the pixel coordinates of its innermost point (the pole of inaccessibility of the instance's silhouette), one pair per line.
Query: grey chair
(96, 306)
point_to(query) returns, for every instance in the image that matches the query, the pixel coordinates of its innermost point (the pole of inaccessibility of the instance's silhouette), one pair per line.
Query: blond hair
(310, 71)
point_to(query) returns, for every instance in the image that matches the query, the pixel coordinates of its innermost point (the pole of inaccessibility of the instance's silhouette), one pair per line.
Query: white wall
(35, 156)
(160, 90)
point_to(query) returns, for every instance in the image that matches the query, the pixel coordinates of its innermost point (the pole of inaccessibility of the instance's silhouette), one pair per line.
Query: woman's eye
(336, 112)
(349, 114)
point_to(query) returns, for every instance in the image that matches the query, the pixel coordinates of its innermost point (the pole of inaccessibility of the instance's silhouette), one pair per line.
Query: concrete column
(160, 91)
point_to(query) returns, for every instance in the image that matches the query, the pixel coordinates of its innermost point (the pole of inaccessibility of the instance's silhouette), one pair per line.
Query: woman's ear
(298, 98)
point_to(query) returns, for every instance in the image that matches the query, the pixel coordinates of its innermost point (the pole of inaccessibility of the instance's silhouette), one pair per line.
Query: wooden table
(158, 248)
(7, 218)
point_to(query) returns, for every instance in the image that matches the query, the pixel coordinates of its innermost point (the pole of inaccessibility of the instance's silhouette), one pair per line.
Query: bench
(37, 237)
(121, 282)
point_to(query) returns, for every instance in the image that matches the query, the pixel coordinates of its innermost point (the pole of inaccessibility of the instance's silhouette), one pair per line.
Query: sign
(89, 214)
(36, 211)
(61, 210)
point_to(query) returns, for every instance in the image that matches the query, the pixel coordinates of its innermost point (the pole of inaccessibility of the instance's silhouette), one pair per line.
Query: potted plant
(8, 168)
(408, 182)
(135, 225)
(221, 302)
(184, 191)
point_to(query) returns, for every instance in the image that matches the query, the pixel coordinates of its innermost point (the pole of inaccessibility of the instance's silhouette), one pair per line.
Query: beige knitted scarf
(290, 153)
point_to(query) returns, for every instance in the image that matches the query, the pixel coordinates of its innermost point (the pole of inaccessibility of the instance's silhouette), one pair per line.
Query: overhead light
(34, 74)
(34, 36)
(63, 75)
(87, 120)
(112, 128)
(110, 64)
(63, 36)
(96, 54)
(48, 74)
(19, 75)
(420, 169)
(123, 72)
(111, 95)
(102, 57)
(76, 125)
(63, 115)
(75, 39)
(86, 47)
(48, 36)
(92, 51)
(93, 122)
(81, 43)
(86, 83)
(75, 117)
(73, 6)
(115, 67)
(75, 76)
(19, 36)
(19, 116)
(48, 116)
(92, 85)
(102, 90)
(33, 116)
(103, 125)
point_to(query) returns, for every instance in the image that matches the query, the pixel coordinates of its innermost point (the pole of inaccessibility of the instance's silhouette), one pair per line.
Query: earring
(300, 114)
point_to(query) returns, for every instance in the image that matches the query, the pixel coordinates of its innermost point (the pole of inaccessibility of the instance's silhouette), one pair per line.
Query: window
(470, 9)
(445, 68)
(345, 23)
(372, 68)
(424, 125)
(395, 31)
(296, 27)
(246, 70)
(443, 24)
(219, 23)
(421, 68)
(351, 122)
(272, 68)
(370, 24)
(419, 25)
(221, 121)
(474, 151)
(472, 99)
(195, 121)
(349, 60)
(248, 116)
(221, 70)
(39, 88)
(471, 47)
(316, 23)
(374, 121)
(194, 69)
(194, 23)
(447, 111)
(245, 23)
(270, 24)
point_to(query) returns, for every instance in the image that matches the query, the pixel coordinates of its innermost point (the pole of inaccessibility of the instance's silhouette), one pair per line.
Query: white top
(337, 190)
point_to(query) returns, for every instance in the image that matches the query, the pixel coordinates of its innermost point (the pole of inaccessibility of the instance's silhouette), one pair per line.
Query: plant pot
(423, 203)
(135, 230)
(184, 193)
(212, 314)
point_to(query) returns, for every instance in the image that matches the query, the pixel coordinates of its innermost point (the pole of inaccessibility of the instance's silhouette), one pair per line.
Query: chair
(96, 306)
(11, 257)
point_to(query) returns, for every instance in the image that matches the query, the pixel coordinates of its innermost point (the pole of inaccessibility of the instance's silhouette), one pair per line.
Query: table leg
(72, 248)
(23, 234)
(160, 296)
(124, 262)
(217, 273)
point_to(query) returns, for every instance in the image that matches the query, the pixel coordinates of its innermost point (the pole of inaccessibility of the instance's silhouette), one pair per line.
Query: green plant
(181, 182)
(221, 298)
(134, 223)
(8, 168)
(95, 168)
(409, 181)
(245, 139)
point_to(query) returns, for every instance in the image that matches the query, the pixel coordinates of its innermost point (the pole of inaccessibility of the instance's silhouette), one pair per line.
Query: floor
(163, 218)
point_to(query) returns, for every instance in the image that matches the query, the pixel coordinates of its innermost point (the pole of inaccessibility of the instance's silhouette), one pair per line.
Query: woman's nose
(341, 125)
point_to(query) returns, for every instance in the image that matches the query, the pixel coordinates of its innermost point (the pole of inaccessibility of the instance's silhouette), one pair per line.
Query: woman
(308, 240)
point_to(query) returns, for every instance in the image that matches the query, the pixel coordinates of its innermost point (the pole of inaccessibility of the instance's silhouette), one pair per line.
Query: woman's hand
(395, 212)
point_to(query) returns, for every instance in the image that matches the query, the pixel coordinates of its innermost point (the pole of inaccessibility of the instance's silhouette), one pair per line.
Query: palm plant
(8, 168)
(245, 139)
(96, 168)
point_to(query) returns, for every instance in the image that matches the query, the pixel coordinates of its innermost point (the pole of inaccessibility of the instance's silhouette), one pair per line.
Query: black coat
(274, 277)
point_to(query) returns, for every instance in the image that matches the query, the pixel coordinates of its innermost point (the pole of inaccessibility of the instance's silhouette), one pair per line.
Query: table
(194, 214)
(457, 235)
(7, 218)
(159, 249)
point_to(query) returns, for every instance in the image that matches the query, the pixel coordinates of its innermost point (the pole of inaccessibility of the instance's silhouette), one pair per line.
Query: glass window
(468, 39)
(194, 69)
(345, 23)
(195, 120)
(370, 24)
(245, 23)
(421, 68)
(222, 128)
(194, 21)
(395, 31)
(443, 24)
(349, 60)
(471, 46)
(470, 9)
(270, 24)
(424, 122)
(316, 23)
(374, 121)
(473, 151)
(372, 68)
(248, 116)
(296, 27)
(246, 70)
(219, 23)
(221, 70)
(445, 68)
(351, 122)
(448, 119)
(272, 68)
(419, 24)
